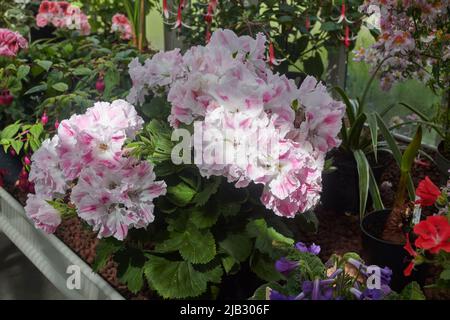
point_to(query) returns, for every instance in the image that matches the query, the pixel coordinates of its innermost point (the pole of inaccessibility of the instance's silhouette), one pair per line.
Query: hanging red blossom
(434, 234)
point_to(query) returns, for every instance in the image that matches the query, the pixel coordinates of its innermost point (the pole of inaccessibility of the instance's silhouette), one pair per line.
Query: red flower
(165, 9)
(434, 234)
(428, 192)
(347, 36)
(409, 248)
(409, 269)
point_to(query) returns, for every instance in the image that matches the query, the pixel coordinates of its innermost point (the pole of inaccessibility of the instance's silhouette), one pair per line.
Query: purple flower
(300, 246)
(275, 295)
(313, 249)
(376, 294)
(356, 293)
(285, 266)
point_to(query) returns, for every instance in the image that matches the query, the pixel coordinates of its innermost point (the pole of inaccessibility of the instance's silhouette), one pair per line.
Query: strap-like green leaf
(373, 126)
(349, 106)
(363, 175)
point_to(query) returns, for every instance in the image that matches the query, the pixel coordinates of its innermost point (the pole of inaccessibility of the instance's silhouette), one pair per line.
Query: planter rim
(372, 236)
(49, 254)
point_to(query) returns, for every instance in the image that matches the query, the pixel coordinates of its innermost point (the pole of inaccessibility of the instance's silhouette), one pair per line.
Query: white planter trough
(50, 255)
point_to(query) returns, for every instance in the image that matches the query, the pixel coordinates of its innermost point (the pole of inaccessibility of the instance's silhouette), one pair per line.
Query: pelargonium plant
(122, 25)
(11, 42)
(432, 235)
(267, 130)
(85, 168)
(62, 15)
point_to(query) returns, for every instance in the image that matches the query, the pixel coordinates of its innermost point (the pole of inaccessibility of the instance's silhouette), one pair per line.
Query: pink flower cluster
(11, 42)
(408, 43)
(62, 14)
(122, 25)
(245, 116)
(109, 190)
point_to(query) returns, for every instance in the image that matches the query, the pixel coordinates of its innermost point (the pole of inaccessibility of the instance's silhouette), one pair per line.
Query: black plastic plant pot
(11, 165)
(384, 253)
(340, 188)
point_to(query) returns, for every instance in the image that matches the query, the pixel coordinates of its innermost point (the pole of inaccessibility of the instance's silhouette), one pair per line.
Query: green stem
(366, 89)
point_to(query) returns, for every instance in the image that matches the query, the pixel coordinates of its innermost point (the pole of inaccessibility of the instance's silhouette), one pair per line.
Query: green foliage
(64, 209)
(104, 251)
(177, 279)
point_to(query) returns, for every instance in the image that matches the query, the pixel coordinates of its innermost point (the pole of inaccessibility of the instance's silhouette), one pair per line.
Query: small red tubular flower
(408, 270)
(165, 9)
(347, 36)
(434, 234)
(427, 192)
(179, 21)
(307, 23)
(272, 60)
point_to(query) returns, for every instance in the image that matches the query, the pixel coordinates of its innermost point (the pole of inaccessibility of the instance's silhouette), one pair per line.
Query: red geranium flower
(428, 192)
(434, 234)
(413, 253)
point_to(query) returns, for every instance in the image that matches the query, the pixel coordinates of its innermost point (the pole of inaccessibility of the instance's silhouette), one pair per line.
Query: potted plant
(384, 230)
(420, 45)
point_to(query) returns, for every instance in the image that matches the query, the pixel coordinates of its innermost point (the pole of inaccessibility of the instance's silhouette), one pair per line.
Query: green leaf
(314, 66)
(373, 126)
(262, 291)
(60, 86)
(264, 267)
(112, 80)
(36, 130)
(63, 208)
(23, 71)
(134, 278)
(266, 237)
(203, 217)
(412, 292)
(38, 88)
(445, 275)
(130, 269)
(194, 245)
(363, 176)
(175, 279)
(396, 153)
(308, 221)
(229, 209)
(17, 145)
(181, 194)
(329, 26)
(350, 109)
(157, 108)
(421, 115)
(210, 188)
(215, 275)
(310, 266)
(82, 71)
(355, 132)
(105, 248)
(237, 246)
(10, 131)
(375, 192)
(44, 64)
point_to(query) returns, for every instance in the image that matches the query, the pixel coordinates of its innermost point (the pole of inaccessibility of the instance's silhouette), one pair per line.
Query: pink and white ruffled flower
(96, 137)
(115, 201)
(122, 25)
(44, 216)
(45, 172)
(243, 117)
(11, 42)
(62, 14)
